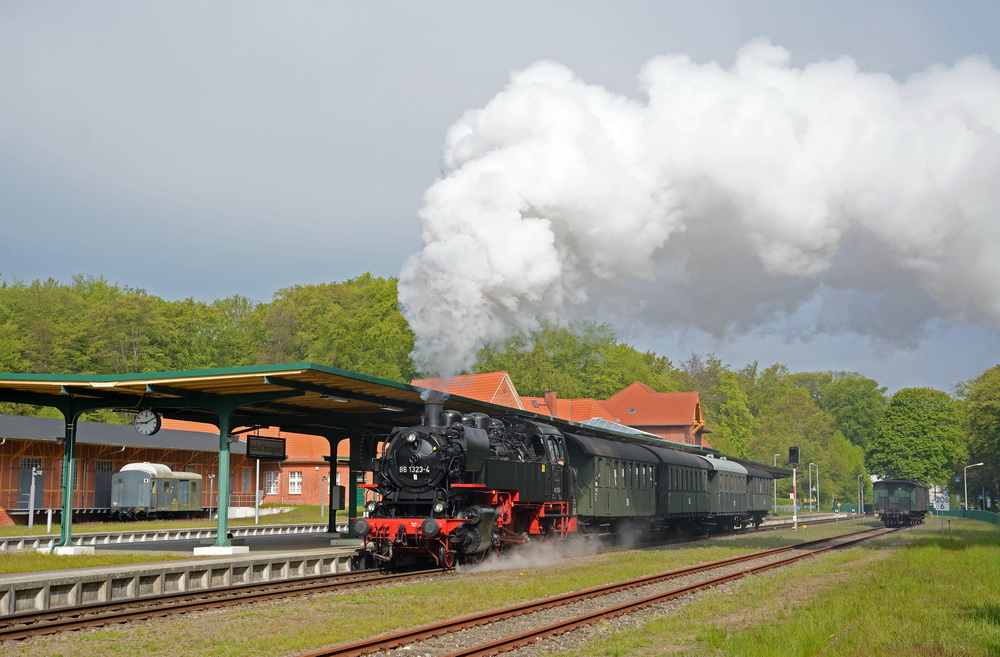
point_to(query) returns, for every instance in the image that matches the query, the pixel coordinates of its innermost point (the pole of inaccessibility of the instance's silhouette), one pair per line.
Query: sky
(809, 184)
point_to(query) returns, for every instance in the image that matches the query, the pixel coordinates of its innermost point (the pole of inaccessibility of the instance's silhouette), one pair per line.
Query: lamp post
(861, 499)
(965, 480)
(211, 494)
(811, 466)
(774, 482)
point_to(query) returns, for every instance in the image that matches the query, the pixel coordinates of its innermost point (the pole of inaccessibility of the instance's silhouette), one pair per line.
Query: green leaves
(919, 436)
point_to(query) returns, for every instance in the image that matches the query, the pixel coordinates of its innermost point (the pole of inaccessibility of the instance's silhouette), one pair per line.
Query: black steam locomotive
(458, 487)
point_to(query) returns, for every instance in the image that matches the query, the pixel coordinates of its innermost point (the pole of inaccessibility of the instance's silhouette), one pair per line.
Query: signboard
(266, 449)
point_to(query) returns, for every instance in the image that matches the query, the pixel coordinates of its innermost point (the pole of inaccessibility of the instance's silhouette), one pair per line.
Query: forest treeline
(843, 422)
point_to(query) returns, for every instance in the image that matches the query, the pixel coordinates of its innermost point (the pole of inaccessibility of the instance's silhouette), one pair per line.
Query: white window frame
(294, 482)
(271, 482)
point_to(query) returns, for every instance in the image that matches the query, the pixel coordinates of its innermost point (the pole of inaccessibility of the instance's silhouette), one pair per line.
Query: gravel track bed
(525, 623)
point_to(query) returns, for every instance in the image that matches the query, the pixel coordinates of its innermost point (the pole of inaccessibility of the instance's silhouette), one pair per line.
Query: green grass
(934, 595)
(30, 561)
(916, 594)
(297, 515)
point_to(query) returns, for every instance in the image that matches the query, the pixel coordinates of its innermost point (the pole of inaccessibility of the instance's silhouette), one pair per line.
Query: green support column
(222, 516)
(69, 455)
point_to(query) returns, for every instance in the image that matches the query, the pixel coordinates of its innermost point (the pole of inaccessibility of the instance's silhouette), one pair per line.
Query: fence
(972, 514)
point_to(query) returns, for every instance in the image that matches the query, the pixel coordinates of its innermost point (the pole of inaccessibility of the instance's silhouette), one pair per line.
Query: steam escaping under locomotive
(459, 487)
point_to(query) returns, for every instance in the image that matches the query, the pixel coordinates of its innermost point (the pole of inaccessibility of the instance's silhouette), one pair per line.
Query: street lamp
(965, 480)
(774, 482)
(861, 497)
(811, 466)
(211, 494)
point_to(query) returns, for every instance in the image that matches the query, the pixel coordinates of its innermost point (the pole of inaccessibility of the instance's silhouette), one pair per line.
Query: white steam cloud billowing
(727, 200)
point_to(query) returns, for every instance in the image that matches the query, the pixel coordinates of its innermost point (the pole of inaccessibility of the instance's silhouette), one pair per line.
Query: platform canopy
(298, 398)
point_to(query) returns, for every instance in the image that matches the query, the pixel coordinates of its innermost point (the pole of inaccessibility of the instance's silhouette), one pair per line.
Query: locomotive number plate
(414, 469)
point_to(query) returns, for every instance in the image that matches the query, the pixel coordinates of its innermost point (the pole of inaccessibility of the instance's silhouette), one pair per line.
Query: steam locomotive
(459, 487)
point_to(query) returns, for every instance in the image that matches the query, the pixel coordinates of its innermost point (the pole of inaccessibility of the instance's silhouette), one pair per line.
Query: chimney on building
(550, 401)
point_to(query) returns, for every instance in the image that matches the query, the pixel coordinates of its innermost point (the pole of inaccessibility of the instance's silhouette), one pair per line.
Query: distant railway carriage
(901, 502)
(760, 492)
(153, 490)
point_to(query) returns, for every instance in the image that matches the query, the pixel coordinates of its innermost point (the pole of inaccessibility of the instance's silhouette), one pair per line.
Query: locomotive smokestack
(432, 411)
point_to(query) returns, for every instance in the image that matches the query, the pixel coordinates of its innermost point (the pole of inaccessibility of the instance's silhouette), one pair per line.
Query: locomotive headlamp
(411, 437)
(438, 506)
(370, 506)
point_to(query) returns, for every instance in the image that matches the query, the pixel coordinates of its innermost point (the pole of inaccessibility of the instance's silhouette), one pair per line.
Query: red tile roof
(574, 410)
(640, 405)
(491, 387)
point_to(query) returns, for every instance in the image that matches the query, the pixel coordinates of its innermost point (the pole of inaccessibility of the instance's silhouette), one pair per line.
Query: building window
(295, 482)
(246, 480)
(76, 474)
(271, 483)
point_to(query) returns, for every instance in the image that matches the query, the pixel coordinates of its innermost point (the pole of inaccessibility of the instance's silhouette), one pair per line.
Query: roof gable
(490, 387)
(640, 405)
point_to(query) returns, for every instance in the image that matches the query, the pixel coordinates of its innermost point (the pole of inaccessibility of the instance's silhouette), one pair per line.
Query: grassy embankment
(30, 561)
(917, 593)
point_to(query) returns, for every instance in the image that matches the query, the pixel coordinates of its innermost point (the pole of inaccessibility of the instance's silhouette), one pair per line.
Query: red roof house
(674, 416)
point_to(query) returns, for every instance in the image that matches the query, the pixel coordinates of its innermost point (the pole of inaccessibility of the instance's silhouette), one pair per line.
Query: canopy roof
(296, 397)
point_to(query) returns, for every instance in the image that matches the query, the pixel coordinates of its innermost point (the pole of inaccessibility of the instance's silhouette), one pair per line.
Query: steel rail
(403, 637)
(527, 638)
(31, 624)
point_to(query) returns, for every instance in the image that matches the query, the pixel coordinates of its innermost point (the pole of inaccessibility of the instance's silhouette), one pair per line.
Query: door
(29, 466)
(102, 484)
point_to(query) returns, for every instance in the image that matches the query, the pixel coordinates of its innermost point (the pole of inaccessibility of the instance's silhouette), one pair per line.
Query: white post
(31, 498)
(774, 483)
(256, 494)
(810, 487)
(965, 480)
(795, 506)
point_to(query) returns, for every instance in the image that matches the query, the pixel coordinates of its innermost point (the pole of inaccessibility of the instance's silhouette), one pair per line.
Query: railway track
(23, 626)
(582, 608)
(27, 625)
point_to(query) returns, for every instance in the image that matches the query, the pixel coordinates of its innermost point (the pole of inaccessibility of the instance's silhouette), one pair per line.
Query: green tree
(919, 437)
(856, 404)
(583, 359)
(735, 426)
(982, 422)
(355, 325)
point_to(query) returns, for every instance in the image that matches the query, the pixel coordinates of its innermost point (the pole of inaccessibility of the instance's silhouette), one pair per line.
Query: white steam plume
(727, 200)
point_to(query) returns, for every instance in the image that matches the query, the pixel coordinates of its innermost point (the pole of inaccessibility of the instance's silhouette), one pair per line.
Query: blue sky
(210, 149)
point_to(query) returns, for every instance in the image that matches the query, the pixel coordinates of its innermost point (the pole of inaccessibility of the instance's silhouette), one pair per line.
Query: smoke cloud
(726, 200)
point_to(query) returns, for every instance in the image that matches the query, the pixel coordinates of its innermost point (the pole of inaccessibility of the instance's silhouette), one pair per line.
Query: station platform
(270, 557)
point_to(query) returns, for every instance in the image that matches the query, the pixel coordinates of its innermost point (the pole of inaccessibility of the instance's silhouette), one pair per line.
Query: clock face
(147, 422)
